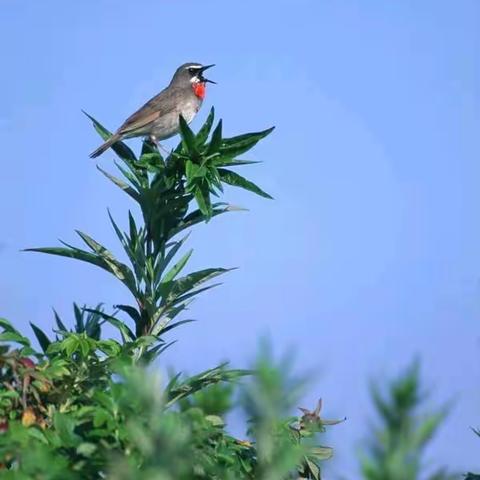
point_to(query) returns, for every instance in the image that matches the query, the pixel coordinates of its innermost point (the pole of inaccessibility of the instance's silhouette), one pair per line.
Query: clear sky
(370, 253)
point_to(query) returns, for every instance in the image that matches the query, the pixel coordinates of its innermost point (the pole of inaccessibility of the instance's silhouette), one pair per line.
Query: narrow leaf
(242, 143)
(203, 201)
(127, 334)
(59, 322)
(174, 325)
(216, 141)
(229, 162)
(14, 337)
(43, 340)
(191, 281)
(163, 261)
(203, 133)
(236, 180)
(177, 268)
(131, 311)
(122, 185)
(188, 137)
(7, 326)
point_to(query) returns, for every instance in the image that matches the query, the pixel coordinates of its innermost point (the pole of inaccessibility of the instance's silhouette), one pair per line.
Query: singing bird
(159, 117)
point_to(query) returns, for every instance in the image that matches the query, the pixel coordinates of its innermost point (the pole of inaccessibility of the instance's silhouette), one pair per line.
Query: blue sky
(370, 253)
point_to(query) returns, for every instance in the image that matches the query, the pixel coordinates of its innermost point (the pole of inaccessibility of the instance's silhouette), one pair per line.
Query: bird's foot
(155, 142)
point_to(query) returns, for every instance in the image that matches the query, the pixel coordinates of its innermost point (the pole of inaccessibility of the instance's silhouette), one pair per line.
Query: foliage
(85, 410)
(85, 406)
(396, 447)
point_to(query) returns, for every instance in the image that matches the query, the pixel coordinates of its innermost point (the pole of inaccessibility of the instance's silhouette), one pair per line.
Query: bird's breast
(167, 125)
(190, 109)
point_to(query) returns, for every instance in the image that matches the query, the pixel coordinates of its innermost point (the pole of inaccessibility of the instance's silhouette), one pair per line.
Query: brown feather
(105, 146)
(148, 113)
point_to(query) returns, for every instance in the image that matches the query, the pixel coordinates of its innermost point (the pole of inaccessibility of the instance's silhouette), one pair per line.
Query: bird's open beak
(202, 78)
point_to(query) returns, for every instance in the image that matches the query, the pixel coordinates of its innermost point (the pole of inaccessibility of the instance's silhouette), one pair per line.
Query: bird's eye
(191, 71)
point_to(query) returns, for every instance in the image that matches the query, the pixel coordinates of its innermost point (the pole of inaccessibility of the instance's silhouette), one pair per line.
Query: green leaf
(59, 322)
(192, 171)
(313, 468)
(133, 228)
(109, 347)
(14, 337)
(177, 268)
(228, 162)
(236, 180)
(65, 426)
(321, 453)
(184, 284)
(215, 420)
(173, 325)
(43, 340)
(188, 137)
(150, 355)
(131, 311)
(152, 161)
(70, 345)
(137, 181)
(92, 324)
(203, 201)
(194, 293)
(242, 143)
(427, 429)
(164, 260)
(216, 141)
(126, 333)
(176, 390)
(120, 235)
(122, 185)
(9, 394)
(146, 340)
(203, 133)
(100, 417)
(7, 326)
(85, 346)
(37, 434)
(197, 217)
(79, 324)
(121, 271)
(86, 449)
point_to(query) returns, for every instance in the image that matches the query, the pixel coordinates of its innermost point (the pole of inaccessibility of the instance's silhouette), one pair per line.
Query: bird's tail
(102, 148)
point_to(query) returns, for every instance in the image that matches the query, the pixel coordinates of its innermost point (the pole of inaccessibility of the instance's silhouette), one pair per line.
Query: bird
(159, 118)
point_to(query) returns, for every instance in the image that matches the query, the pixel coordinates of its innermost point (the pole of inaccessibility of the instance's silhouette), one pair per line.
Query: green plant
(85, 407)
(395, 449)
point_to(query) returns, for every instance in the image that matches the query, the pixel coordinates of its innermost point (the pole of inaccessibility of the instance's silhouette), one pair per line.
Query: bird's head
(191, 74)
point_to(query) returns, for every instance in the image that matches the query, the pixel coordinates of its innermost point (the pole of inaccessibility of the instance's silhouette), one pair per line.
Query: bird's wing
(153, 109)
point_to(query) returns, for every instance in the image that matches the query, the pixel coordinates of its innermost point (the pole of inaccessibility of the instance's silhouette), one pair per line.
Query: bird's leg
(154, 140)
(150, 141)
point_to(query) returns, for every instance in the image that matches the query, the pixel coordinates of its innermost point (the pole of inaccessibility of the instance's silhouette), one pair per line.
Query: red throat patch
(199, 90)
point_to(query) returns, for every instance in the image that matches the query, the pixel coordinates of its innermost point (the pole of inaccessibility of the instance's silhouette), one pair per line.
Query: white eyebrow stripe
(194, 66)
